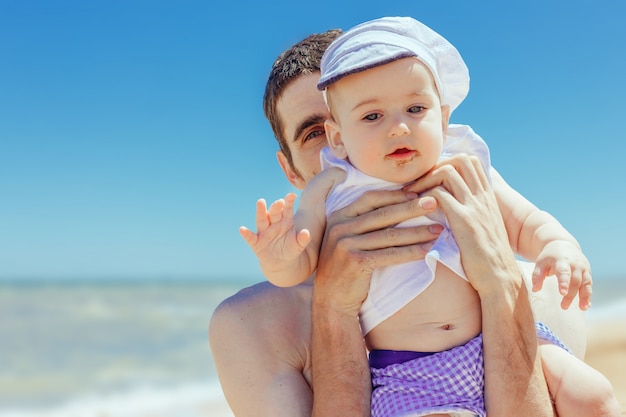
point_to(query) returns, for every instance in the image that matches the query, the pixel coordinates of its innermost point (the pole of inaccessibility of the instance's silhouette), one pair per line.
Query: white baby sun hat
(383, 40)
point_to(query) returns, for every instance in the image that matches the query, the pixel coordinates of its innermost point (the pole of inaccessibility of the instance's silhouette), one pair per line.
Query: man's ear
(333, 136)
(292, 176)
(445, 119)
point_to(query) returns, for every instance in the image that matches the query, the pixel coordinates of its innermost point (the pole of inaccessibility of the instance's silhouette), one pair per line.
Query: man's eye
(313, 134)
(416, 109)
(372, 117)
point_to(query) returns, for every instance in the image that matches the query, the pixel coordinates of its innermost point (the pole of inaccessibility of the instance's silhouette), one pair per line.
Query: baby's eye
(416, 109)
(371, 117)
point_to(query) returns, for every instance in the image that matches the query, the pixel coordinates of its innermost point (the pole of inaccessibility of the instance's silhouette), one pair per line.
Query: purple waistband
(383, 358)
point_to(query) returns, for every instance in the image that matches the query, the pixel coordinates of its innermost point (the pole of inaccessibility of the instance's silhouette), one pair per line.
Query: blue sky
(133, 142)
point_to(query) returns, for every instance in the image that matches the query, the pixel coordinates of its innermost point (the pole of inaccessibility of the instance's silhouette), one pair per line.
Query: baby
(390, 85)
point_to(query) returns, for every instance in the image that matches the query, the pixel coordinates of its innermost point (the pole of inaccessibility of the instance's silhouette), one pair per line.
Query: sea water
(130, 348)
(107, 348)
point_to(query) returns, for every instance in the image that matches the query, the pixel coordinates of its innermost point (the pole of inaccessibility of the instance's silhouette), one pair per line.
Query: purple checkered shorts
(451, 381)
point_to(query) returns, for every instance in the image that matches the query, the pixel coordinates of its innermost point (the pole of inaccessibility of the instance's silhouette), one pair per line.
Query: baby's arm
(537, 236)
(277, 244)
(287, 246)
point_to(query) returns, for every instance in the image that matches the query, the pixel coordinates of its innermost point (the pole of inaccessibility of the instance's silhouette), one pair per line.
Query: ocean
(107, 348)
(113, 348)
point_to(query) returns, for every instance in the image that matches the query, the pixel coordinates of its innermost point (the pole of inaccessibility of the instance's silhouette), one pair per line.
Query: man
(268, 342)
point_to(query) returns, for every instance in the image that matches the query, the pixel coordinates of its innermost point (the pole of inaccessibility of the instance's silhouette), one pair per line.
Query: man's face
(303, 112)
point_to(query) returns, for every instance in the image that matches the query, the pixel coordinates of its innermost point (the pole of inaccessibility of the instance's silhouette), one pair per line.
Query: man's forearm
(341, 375)
(514, 378)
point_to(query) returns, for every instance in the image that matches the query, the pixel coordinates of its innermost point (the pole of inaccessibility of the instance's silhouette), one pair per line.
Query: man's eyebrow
(315, 119)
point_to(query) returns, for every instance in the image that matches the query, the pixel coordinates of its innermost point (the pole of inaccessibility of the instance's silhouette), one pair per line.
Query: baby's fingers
(539, 274)
(289, 203)
(563, 272)
(303, 237)
(569, 282)
(584, 293)
(248, 235)
(275, 212)
(262, 222)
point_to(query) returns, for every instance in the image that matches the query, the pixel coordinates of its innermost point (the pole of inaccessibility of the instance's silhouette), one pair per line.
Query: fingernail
(435, 228)
(428, 203)
(426, 246)
(411, 196)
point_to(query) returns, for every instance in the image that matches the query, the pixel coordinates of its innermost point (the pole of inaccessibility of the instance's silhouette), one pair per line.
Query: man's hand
(464, 193)
(514, 377)
(362, 237)
(358, 239)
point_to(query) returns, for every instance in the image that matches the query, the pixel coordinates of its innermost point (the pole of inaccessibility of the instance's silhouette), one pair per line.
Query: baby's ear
(445, 118)
(333, 136)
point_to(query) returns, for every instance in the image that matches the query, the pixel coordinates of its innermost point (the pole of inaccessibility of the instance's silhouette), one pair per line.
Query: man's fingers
(461, 171)
(460, 175)
(372, 201)
(386, 247)
(385, 216)
(394, 237)
(379, 258)
(473, 172)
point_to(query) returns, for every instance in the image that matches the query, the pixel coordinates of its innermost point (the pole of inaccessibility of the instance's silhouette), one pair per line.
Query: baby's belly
(445, 315)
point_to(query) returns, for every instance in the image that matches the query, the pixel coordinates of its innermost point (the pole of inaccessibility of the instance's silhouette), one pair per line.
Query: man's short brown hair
(302, 58)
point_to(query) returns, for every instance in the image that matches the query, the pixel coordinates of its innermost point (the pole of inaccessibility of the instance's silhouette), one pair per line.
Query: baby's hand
(566, 261)
(276, 239)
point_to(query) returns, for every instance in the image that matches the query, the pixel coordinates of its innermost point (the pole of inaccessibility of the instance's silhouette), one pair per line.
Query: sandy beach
(606, 351)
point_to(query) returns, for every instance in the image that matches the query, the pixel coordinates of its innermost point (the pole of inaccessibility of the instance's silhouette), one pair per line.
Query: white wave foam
(200, 399)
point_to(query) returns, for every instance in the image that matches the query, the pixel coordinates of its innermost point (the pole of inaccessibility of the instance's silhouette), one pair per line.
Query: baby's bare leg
(576, 388)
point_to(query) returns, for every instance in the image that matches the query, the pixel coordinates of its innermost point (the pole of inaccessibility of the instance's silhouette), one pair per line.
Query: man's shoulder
(261, 314)
(263, 299)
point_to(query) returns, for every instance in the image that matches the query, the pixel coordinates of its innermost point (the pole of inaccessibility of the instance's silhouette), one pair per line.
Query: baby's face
(389, 121)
